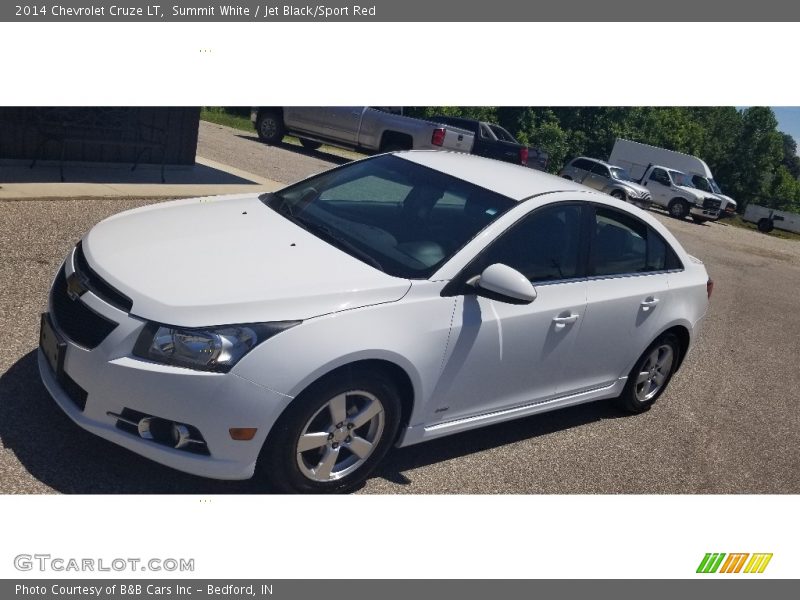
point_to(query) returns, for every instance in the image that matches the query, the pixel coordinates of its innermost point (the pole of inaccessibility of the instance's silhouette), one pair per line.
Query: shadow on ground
(320, 154)
(65, 457)
(48, 172)
(70, 460)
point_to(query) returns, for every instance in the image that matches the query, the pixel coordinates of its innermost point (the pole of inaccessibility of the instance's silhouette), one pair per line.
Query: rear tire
(649, 377)
(333, 419)
(678, 208)
(270, 127)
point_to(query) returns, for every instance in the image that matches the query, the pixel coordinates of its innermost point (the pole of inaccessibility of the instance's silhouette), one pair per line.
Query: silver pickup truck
(363, 128)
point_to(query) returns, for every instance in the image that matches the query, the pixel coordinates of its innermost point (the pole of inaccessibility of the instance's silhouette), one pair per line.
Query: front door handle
(649, 302)
(562, 322)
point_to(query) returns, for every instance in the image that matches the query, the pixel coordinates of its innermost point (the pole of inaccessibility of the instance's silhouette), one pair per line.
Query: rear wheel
(333, 435)
(649, 377)
(679, 208)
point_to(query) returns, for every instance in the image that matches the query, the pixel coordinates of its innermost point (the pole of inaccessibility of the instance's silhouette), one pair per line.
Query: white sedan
(299, 335)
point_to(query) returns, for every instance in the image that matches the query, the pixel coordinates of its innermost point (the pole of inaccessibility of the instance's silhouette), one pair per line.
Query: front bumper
(709, 214)
(110, 380)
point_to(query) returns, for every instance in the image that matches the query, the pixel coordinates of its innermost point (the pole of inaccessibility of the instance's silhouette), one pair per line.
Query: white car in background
(299, 335)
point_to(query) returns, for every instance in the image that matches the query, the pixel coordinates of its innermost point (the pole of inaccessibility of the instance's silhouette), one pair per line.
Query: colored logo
(719, 562)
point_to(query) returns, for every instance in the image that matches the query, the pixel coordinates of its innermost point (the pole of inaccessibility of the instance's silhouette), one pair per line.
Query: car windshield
(391, 213)
(621, 174)
(714, 187)
(701, 183)
(679, 178)
(502, 134)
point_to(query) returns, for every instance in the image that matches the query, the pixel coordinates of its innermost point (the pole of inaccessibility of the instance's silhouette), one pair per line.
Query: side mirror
(505, 284)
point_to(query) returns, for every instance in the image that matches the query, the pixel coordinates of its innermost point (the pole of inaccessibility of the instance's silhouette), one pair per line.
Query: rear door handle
(562, 322)
(649, 302)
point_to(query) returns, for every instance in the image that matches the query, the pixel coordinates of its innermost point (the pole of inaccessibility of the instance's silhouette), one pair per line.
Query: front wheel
(619, 195)
(699, 220)
(333, 435)
(679, 209)
(270, 127)
(649, 378)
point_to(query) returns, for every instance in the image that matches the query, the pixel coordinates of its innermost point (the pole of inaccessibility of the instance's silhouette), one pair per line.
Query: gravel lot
(729, 422)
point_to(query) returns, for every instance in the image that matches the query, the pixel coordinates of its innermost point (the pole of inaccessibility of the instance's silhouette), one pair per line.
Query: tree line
(751, 159)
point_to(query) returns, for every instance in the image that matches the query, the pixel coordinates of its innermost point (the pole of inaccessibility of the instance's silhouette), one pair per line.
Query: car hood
(694, 192)
(726, 200)
(225, 260)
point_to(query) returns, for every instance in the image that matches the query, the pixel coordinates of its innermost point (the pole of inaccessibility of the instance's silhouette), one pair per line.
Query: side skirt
(422, 433)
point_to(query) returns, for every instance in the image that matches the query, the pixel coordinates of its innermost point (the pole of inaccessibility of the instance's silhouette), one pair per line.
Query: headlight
(214, 349)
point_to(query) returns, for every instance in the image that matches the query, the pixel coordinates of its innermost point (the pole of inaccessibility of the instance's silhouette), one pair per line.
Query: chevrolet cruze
(296, 336)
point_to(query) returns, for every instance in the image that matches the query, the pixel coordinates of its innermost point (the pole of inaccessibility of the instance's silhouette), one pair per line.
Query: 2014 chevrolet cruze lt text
(299, 335)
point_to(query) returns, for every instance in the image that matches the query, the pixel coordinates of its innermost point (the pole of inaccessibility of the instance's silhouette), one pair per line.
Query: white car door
(660, 186)
(627, 294)
(502, 355)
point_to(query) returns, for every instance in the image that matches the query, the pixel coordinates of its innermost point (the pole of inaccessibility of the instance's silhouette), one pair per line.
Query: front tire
(649, 377)
(678, 208)
(333, 435)
(270, 127)
(619, 195)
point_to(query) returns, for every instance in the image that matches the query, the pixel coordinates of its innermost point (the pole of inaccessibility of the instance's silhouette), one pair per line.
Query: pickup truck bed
(360, 128)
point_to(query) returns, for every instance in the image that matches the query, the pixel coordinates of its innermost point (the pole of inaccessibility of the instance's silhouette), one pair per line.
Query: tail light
(709, 287)
(437, 139)
(523, 156)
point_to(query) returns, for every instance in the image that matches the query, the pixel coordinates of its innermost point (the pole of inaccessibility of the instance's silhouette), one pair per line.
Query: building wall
(100, 134)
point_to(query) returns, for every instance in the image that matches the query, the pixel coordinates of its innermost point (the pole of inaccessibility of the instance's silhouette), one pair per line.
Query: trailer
(768, 219)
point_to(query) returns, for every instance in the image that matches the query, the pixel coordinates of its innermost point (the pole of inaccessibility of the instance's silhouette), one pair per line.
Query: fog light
(180, 435)
(243, 434)
(144, 428)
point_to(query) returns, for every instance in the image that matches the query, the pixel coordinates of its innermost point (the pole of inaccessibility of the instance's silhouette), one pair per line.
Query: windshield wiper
(338, 241)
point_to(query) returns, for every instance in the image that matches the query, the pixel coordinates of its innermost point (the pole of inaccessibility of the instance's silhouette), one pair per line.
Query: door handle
(648, 303)
(562, 322)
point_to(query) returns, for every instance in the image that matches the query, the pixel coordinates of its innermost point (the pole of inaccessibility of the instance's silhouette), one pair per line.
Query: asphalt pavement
(728, 423)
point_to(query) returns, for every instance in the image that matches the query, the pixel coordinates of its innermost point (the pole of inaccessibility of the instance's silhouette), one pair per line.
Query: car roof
(514, 181)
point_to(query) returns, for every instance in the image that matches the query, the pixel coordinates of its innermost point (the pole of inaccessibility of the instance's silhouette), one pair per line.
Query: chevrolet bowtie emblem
(76, 286)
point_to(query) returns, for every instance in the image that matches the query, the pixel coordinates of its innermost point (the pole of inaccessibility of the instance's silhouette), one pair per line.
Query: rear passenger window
(624, 245)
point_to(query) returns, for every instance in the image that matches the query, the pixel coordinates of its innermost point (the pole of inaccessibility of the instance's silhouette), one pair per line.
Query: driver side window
(544, 246)
(660, 176)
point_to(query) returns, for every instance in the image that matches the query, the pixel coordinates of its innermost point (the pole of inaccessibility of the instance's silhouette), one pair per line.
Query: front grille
(97, 285)
(711, 203)
(74, 319)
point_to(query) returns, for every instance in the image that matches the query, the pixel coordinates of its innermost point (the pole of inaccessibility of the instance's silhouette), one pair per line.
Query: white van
(636, 157)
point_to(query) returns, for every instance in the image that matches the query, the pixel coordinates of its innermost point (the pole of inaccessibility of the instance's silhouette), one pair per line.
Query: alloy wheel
(340, 437)
(654, 372)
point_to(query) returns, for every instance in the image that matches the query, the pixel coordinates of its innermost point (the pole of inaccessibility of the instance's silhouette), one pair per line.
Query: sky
(789, 121)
